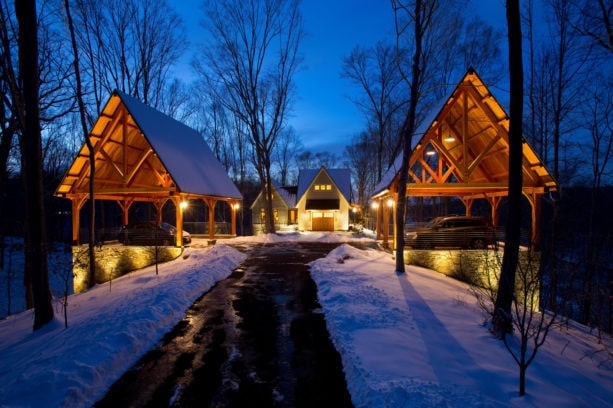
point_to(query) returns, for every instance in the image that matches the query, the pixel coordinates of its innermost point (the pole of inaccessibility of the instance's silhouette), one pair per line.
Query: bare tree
(8, 120)
(532, 325)
(253, 58)
(592, 19)
(418, 16)
(598, 121)
(307, 160)
(384, 96)
(36, 249)
(502, 322)
(91, 278)
(285, 152)
(358, 155)
(326, 159)
(128, 45)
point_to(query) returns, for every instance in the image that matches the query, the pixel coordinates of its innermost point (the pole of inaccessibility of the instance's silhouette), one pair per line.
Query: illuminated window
(328, 187)
(276, 215)
(316, 187)
(262, 216)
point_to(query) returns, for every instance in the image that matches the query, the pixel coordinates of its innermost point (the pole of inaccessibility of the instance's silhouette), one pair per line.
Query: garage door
(323, 221)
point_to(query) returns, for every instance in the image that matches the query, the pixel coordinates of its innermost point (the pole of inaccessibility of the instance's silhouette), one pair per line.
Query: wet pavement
(257, 339)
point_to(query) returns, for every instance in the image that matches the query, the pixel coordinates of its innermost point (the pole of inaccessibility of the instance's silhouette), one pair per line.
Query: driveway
(257, 338)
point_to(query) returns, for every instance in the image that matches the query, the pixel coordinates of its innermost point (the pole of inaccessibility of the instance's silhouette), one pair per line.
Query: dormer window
(323, 187)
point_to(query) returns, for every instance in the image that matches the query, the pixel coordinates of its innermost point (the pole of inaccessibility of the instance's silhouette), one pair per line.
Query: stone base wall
(115, 261)
(477, 267)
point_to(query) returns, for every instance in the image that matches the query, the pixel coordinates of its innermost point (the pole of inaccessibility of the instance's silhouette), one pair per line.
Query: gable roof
(141, 151)
(340, 177)
(284, 193)
(462, 149)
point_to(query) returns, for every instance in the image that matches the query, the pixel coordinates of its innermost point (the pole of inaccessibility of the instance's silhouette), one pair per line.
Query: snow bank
(416, 339)
(110, 327)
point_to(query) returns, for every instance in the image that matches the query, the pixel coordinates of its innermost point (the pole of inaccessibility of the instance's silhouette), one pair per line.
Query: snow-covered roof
(141, 152)
(289, 198)
(182, 150)
(340, 177)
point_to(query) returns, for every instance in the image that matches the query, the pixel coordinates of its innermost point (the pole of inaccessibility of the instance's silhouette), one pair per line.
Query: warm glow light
(236, 206)
(355, 210)
(430, 153)
(449, 139)
(183, 205)
(390, 202)
(375, 205)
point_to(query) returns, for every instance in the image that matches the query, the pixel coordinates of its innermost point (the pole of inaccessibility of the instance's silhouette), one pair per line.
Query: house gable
(283, 203)
(323, 199)
(323, 184)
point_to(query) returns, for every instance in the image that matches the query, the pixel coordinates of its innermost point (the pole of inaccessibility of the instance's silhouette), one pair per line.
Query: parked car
(151, 233)
(453, 231)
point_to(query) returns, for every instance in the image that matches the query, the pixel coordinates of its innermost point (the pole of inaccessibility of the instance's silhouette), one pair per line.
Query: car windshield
(433, 222)
(167, 226)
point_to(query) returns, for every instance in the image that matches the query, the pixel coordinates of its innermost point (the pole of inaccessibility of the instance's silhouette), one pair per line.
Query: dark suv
(150, 233)
(453, 231)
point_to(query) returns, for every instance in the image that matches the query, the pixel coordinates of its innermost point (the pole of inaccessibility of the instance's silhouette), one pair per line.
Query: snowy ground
(405, 340)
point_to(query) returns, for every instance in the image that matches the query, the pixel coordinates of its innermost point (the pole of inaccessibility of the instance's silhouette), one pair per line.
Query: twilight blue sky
(323, 116)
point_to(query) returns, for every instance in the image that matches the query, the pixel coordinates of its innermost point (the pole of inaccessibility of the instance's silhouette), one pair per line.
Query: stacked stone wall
(477, 267)
(115, 261)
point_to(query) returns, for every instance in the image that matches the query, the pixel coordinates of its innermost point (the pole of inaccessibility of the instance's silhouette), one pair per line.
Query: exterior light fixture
(183, 205)
(390, 202)
(430, 152)
(449, 139)
(374, 205)
(236, 206)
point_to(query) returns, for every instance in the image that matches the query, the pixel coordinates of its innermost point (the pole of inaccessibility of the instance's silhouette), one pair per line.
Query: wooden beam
(138, 165)
(482, 154)
(111, 162)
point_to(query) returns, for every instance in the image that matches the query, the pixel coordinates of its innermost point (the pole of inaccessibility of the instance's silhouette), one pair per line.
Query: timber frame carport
(143, 155)
(462, 150)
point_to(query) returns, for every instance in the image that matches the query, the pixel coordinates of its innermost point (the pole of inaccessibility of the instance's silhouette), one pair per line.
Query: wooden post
(535, 238)
(468, 203)
(76, 211)
(378, 208)
(125, 208)
(179, 221)
(158, 208)
(210, 202)
(77, 204)
(234, 208)
(394, 218)
(386, 224)
(495, 203)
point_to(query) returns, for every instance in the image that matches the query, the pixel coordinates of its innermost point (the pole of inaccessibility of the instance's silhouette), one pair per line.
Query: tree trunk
(36, 251)
(91, 280)
(422, 14)
(502, 309)
(270, 220)
(522, 380)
